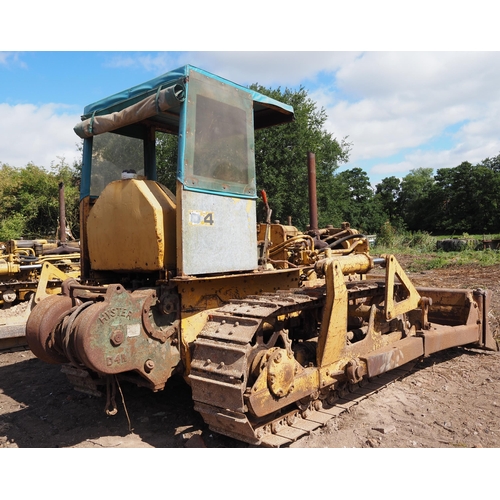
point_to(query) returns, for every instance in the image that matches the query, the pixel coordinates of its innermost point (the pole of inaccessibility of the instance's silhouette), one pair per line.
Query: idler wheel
(41, 322)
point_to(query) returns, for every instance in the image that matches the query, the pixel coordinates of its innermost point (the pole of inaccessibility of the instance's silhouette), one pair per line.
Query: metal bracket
(392, 306)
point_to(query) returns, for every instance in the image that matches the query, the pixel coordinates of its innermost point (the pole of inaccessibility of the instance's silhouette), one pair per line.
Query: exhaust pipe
(62, 215)
(313, 202)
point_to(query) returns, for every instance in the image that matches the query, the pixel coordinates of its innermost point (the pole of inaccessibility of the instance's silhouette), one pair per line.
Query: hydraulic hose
(345, 238)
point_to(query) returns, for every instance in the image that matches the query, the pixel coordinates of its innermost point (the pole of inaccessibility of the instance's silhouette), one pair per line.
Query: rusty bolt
(117, 338)
(149, 365)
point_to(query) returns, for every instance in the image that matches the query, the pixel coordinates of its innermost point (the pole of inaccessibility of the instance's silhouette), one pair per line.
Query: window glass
(218, 144)
(221, 149)
(111, 155)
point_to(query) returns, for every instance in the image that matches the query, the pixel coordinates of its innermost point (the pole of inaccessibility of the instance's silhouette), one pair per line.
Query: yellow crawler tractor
(268, 327)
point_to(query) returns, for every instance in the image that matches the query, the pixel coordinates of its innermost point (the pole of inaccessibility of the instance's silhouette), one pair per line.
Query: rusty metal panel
(394, 355)
(449, 306)
(227, 363)
(234, 329)
(229, 423)
(319, 417)
(442, 337)
(290, 433)
(483, 298)
(305, 425)
(275, 440)
(218, 393)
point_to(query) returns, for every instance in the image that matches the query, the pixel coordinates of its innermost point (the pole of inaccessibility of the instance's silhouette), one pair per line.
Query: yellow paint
(131, 227)
(332, 337)
(202, 296)
(50, 272)
(250, 206)
(392, 308)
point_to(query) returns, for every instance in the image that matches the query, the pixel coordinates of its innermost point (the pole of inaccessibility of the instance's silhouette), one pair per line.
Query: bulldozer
(270, 326)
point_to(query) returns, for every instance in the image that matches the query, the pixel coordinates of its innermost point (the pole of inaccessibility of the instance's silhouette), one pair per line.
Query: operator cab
(215, 189)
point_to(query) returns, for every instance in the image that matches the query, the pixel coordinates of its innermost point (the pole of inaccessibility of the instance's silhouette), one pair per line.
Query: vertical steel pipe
(62, 214)
(313, 203)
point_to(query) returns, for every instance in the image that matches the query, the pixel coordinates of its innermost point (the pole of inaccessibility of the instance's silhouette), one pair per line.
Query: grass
(421, 246)
(438, 260)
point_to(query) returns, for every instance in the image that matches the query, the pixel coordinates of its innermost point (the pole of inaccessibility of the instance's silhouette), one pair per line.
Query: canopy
(160, 100)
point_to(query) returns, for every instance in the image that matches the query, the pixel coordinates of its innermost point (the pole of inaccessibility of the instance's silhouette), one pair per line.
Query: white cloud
(11, 59)
(157, 63)
(269, 68)
(391, 101)
(404, 109)
(38, 134)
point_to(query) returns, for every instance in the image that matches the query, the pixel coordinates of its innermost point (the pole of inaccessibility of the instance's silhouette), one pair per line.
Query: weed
(422, 246)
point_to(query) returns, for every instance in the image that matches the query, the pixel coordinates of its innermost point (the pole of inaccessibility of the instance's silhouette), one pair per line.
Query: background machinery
(267, 326)
(30, 270)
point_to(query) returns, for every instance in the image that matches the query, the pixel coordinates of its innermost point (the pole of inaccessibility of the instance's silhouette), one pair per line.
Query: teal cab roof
(267, 111)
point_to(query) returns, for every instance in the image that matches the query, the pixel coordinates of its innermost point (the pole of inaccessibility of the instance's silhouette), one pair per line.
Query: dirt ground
(449, 400)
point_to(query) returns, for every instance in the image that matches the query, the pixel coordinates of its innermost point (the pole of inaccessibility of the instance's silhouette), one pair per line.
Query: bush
(393, 239)
(12, 228)
(387, 236)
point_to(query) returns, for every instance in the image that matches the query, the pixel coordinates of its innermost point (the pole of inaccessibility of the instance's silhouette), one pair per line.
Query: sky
(401, 105)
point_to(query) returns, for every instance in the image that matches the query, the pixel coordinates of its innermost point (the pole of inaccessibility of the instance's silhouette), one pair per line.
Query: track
(228, 349)
(304, 423)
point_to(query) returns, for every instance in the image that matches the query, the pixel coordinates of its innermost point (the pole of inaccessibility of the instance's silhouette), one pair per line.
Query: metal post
(62, 215)
(313, 203)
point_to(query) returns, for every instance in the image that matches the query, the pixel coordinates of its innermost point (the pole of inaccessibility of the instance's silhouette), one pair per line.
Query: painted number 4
(199, 218)
(209, 218)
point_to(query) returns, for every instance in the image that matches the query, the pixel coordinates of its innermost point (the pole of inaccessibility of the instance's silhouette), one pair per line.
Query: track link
(222, 357)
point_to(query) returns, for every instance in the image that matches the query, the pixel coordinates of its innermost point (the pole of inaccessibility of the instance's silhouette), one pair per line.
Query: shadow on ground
(40, 409)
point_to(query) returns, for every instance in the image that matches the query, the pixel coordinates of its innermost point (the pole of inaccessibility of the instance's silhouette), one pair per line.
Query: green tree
(29, 201)
(388, 192)
(166, 159)
(281, 161)
(492, 163)
(360, 206)
(468, 199)
(415, 204)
